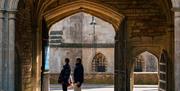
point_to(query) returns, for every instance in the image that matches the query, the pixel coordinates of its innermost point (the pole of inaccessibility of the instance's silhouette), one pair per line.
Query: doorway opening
(84, 36)
(145, 75)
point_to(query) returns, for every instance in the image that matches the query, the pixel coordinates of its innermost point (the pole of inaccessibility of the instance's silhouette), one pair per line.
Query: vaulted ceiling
(164, 6)
(142, 15)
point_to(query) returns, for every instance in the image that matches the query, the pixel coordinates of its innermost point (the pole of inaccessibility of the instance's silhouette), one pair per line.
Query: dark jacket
(79, 73)
(65, 73)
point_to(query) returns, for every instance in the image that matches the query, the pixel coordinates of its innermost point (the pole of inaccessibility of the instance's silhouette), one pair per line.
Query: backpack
(60, 79)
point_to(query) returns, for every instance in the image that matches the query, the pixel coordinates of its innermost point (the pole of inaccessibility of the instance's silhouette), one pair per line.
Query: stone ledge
(143, 78)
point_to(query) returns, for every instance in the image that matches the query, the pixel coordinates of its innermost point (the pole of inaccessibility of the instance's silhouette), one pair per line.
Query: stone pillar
(120, 59)
(7, 37)
(177, 51)
(1, 28)
(46, 82)
(11, 63)
(5, 52)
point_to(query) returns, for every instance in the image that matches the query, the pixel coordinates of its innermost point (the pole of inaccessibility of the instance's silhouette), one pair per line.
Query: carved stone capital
(1, 15)
(12, 14)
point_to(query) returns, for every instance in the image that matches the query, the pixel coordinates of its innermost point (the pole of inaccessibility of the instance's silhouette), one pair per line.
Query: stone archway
(103, 12)
(8, 25)
(164, 65)
(140, 53)
(135, 52)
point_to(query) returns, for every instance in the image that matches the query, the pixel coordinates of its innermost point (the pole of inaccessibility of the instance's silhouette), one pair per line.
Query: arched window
(99, 63)
(146, 62)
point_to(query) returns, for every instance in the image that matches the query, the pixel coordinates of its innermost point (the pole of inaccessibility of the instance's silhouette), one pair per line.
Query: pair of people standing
(78, 76)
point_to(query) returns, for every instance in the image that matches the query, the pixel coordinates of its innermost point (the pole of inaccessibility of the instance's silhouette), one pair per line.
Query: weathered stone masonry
(24, 46)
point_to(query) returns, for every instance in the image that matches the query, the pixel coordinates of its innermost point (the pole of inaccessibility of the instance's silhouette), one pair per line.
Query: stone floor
(104, 87)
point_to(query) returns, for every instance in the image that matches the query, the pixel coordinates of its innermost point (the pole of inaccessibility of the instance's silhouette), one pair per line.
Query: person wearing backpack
(65, 75)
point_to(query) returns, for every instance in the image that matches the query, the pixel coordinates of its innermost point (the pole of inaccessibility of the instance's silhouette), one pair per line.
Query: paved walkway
(104, 87)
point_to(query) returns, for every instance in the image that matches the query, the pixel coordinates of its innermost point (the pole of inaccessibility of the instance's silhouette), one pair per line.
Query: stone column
(46, 82)
(121, 59)
(7, 28)
(1, 28)
(11, 63)
(177, 51)
(117, 64)
(5, 52)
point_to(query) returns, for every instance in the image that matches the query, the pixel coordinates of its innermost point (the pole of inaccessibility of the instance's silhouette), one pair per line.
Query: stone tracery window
(99, 63)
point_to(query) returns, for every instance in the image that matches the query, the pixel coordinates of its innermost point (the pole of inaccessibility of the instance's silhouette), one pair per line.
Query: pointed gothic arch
(101, 11)
(137, 51)
(98, 10)
(147, 64)
(153, 51)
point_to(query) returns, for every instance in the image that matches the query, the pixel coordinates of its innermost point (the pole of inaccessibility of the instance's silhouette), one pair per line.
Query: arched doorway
(146, 72)
(97, 10)
(74, 37)
(161, 75)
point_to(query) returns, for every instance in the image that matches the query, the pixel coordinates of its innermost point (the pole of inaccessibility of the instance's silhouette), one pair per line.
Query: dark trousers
(64, 86)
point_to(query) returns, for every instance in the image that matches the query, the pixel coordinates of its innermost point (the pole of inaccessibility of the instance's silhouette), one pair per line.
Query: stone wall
(95, 78)
(58, 55)
(77, 28)
(146, 78)
(108, 78)
(24, 46)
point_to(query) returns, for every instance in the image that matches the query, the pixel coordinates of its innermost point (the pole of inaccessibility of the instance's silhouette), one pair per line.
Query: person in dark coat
(78, 75)
(65, 74)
